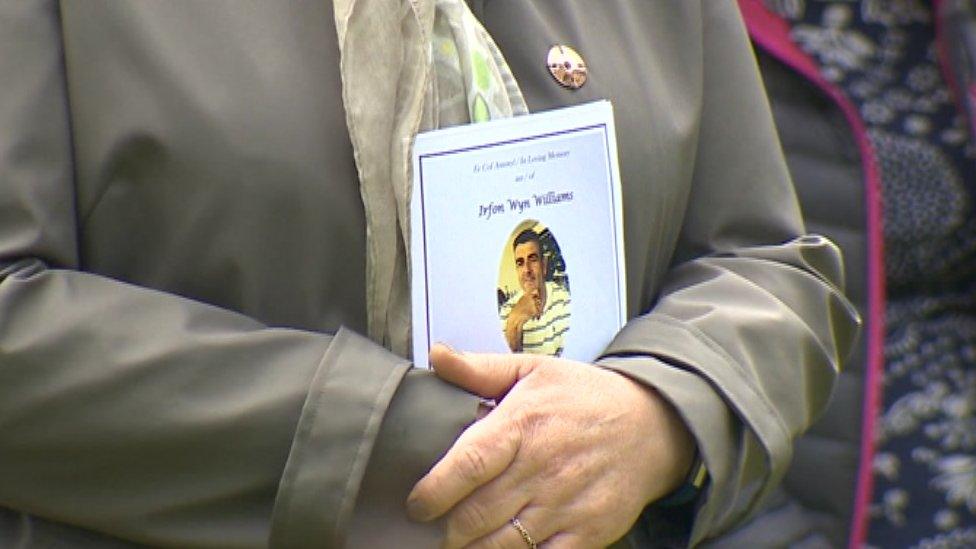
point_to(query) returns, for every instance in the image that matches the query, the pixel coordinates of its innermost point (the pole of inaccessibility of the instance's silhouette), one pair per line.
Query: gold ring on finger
(524, 533)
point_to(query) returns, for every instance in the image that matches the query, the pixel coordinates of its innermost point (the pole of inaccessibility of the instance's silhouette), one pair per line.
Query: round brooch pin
(566, 66)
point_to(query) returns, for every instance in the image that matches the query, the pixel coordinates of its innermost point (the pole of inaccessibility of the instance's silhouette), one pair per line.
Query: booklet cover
(517, 235)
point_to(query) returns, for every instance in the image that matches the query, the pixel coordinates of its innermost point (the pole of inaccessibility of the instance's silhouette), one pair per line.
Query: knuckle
(471, 519)
(526, 424)
(522, 419)
(472, 465)
(599, 502)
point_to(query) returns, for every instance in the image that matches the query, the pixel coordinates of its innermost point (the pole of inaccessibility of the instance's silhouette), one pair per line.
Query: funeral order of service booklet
(517, 235)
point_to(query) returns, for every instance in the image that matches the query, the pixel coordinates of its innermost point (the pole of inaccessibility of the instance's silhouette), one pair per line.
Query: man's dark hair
(528, 235)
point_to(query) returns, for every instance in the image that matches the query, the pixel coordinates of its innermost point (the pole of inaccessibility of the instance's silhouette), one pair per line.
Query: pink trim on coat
(772, 34)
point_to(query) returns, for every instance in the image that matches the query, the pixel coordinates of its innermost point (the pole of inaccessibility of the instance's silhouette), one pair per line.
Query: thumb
(484, 374)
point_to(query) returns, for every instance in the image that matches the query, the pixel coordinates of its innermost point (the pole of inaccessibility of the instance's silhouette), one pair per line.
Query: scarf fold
(408, 66)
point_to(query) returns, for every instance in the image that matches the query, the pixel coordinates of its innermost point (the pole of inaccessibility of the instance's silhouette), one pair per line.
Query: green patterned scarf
(409, 66)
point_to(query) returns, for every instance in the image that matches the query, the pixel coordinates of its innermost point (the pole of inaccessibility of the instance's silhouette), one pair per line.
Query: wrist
(674, 446)
(692, 485)
(690, 475)
(682, 447)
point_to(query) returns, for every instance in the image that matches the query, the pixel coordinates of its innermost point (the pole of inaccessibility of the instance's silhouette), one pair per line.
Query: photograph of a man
(535, 318)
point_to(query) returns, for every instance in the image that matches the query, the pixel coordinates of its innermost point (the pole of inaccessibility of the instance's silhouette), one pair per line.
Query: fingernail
(416, 511)
(448, 347)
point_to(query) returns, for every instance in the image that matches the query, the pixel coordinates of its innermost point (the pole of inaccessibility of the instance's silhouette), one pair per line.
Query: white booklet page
(517, 236)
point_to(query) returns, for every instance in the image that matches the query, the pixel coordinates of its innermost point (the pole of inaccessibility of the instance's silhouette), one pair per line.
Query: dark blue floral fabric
(882, 54)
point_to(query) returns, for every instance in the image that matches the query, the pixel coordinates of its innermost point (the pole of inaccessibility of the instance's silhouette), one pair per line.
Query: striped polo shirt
(544, 335)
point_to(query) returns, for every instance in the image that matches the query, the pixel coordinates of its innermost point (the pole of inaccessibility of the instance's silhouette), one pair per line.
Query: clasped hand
(574, 451)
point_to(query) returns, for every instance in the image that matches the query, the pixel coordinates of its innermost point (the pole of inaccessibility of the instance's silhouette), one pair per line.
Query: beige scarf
(408, 66)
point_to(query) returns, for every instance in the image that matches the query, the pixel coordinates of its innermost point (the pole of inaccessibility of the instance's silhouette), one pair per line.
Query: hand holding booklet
(517, 236)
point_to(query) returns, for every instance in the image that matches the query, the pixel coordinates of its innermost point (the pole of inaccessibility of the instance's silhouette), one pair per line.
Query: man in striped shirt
(536, 319)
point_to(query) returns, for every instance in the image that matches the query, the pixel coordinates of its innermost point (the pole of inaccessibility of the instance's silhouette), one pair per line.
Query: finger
(478, 516)
(566, 540)
(479, 455)
(539, 524)
(487, 509)
(487, 375)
